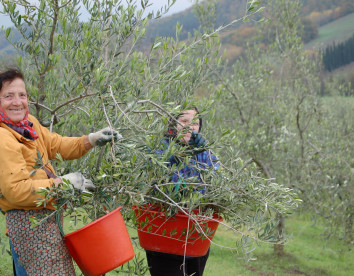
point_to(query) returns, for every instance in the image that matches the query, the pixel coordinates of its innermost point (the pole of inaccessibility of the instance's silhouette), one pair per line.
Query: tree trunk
(349, 225)
(279, 247)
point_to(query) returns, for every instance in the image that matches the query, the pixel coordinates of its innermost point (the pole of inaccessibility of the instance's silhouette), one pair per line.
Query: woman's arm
(68, 147)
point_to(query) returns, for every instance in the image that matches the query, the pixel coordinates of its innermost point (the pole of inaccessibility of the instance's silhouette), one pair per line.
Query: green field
(307, 253)
(338, 31)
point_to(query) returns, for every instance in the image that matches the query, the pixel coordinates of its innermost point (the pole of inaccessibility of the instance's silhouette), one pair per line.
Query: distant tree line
(324, 11)
(338, 55)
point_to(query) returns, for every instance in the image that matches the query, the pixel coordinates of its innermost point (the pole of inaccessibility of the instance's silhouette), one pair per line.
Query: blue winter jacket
(200, 160)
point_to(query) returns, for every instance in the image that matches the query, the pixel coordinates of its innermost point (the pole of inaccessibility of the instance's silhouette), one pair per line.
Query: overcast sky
(180, 5)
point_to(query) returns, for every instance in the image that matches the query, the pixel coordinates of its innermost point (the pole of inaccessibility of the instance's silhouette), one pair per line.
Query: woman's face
(189, 122)
(14, 100)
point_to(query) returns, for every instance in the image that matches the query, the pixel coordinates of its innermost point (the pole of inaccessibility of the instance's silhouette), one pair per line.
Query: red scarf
(23, 127)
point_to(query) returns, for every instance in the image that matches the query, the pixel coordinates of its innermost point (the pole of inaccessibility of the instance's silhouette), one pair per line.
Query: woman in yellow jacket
(41, 250)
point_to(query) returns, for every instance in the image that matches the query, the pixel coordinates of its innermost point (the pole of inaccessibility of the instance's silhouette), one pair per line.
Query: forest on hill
(316, 11)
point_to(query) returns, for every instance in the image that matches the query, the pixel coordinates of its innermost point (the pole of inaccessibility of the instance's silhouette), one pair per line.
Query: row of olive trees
(281, 124)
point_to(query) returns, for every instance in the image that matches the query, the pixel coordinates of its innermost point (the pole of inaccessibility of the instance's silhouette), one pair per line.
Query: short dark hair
(9, 75)
(171, 131)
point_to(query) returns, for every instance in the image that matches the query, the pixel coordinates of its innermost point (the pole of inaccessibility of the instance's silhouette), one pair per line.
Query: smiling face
(189, 122)
(14, 100)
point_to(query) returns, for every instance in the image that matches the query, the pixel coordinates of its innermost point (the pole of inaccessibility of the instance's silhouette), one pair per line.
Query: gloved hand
(197, 140)
(100, 138)
(79, 181)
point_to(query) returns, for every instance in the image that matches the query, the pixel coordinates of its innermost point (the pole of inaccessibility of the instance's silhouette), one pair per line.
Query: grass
(345, 72)
(338, 31)
(339, 105)
(5, 258)
(307, 253)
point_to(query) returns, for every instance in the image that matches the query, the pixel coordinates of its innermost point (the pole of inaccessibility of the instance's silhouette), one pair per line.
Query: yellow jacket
(18, 190)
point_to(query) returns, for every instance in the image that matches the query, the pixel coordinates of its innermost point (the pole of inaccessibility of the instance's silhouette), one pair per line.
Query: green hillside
(338, 31)
(227, 10)
(318, 11)
(6, 49)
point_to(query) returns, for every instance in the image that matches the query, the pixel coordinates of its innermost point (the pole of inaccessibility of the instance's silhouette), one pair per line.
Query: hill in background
(335, 31)
(315, 13)
(319, 12)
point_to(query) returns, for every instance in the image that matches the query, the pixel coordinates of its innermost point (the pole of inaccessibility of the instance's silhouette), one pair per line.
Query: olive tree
(330, 173)
(273, 97)
(272, 102)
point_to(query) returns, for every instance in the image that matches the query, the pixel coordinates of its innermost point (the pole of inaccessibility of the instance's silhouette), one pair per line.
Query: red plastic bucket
(102, 245)
(168, 235)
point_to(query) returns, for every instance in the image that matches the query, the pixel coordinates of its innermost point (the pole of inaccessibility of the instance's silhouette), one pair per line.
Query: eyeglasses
(10, 97)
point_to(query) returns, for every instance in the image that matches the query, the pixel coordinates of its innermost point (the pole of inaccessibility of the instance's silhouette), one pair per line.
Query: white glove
(79, 181)
(100, 138)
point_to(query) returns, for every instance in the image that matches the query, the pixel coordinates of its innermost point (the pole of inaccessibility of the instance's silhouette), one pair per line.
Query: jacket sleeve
(213, 161)
(16, 184)
(68, 147)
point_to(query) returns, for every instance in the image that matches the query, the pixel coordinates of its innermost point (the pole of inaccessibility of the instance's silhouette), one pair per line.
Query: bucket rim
(93, 222)
(216, 217)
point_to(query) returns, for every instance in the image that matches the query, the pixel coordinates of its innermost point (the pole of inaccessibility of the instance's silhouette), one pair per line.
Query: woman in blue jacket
(164, 264)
